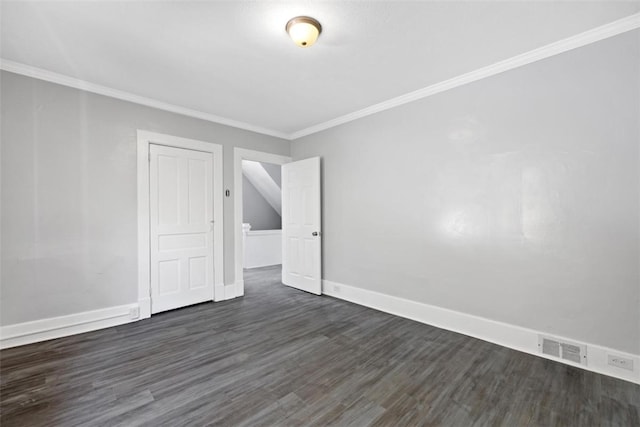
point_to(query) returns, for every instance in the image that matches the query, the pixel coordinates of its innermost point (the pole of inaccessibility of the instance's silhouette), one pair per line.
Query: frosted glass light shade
(303, 30)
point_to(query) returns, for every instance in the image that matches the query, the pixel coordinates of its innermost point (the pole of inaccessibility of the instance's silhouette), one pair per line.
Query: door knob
(315, 233)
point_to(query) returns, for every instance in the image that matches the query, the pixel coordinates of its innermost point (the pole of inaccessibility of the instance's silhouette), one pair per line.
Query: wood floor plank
(280, 356)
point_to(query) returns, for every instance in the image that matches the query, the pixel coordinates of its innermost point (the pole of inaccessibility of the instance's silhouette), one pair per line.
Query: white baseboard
(219, 292)
(145, 308)
(234, 290)
(267, 264)
(504, 334)
(78, 323)
(240, 288)
(56, 327)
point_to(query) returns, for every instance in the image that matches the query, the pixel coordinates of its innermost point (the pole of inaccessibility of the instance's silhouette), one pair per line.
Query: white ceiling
(233, 59)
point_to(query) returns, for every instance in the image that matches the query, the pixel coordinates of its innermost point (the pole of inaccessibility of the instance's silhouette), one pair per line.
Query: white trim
(602, 32)
(504, 334)
(144, 256)
(614, 28)
(61, 79)
(231, 291)
(263, 232)
(240, 154)
(145, 306)
(56, 327)
(146, 138)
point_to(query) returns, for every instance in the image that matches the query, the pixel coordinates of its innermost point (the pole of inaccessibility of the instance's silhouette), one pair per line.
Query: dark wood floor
(279, 356)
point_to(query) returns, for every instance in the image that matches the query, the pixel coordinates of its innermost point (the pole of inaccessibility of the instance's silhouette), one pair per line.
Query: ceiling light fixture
(303, 30)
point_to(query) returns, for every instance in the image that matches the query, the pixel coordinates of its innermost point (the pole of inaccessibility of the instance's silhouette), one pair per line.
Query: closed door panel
(301, 262)
(181, 207)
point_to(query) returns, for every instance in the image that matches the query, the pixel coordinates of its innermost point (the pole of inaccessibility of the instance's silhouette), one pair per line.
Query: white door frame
(240, 154)
(146, 138)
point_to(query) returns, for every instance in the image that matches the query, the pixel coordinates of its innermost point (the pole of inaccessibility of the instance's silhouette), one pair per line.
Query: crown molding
(614, 28)
(49, 76)
(629, 23)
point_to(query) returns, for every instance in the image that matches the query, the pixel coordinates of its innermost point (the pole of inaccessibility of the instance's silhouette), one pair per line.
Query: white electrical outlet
(134, 312)
(620, 362)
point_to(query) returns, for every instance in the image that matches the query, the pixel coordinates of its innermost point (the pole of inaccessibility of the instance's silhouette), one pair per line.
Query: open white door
(301, 242)
(181, 227)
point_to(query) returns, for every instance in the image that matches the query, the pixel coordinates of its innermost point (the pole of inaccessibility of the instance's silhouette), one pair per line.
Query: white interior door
(181, 227)
(301, 242)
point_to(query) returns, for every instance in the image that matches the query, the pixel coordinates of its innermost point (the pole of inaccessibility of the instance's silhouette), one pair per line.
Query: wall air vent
(550, 347)
(558, 348)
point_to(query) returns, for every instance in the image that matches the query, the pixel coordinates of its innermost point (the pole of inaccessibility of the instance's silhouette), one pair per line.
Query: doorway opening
(261, 218)
(301, 221)
(258, 214)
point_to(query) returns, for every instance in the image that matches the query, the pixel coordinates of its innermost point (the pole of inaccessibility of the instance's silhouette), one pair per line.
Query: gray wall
(69, 213)
(274, 171)
(514, 198)
(256, 210)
